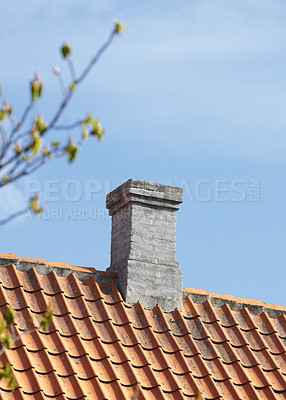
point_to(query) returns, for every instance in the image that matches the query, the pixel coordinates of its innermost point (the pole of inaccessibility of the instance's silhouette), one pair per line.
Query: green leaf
(8, 341)
(199, 396)
(36, 88)
(66, 50)
(9, 315)
(36, 145)
(89, 120)
(35, 202)
(71, 150)
(40, 125)
(47, 319)
(97, 130)
(119, 28)
(8, 374)
(47, 151)
(84, 132)
(3, 115)
(5, 179)
(17, 148)
(39, 211)
(35, 205)
(45, 324)
(72, 86)
(3, 327)
(56, 144)
(9, 110)
(12, 382)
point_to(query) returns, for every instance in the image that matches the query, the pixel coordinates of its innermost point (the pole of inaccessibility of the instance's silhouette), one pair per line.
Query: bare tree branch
(68, 127)
(96, 57)
(26, 149)
(13, 216)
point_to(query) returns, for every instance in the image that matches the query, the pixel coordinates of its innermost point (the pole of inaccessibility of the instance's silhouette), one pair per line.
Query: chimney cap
(144, 192)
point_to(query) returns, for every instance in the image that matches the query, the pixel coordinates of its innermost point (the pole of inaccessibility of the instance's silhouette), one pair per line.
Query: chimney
(143, 243)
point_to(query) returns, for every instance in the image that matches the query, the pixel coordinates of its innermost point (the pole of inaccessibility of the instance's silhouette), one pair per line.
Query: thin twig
(17, 338)
(80, 79)
(62, 83)
(68, 127)
(13, 216)
(3, 134)
(23, 119)
(71, 68)
(25, 137)
(96, 57)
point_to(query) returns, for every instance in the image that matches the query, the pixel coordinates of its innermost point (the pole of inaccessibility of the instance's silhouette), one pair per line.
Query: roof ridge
(61, 269)
(256, 307)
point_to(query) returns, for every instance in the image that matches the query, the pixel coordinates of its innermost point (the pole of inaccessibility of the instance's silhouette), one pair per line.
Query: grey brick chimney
(143, 243)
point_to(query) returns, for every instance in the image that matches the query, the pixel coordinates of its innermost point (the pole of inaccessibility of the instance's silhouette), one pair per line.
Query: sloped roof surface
(99, 347)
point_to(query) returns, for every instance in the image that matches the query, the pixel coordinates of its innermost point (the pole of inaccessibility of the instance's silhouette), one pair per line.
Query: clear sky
(193, 95)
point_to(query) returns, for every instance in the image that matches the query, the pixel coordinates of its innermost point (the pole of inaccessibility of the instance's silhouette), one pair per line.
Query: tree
(24, 149)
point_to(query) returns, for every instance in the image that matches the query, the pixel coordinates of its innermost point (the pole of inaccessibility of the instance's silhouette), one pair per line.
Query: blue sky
(194, 95)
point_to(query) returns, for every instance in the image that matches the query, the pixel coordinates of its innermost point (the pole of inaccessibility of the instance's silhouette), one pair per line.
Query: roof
(99, 347)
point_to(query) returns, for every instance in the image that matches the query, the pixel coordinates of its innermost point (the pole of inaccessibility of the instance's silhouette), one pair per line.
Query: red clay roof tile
(136, 355)
(98, 347)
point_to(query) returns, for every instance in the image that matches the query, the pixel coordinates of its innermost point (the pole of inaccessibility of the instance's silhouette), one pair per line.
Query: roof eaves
(256, 307)
(61, 269)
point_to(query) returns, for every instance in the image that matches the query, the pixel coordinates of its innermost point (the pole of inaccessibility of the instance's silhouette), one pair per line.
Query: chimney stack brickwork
(143, 243)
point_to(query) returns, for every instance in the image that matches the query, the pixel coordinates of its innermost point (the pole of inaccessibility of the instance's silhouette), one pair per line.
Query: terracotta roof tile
(95, 349)
(99, 347)
(188, 345)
